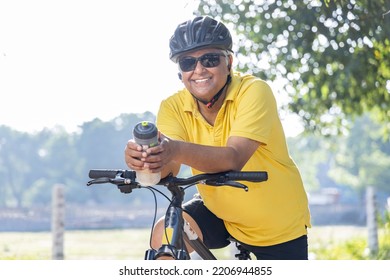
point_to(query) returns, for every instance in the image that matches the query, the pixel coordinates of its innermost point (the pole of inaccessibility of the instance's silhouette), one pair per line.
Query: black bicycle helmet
(198, 33)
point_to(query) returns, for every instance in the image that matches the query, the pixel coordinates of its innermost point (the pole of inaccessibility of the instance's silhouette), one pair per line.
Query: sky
(68, 62)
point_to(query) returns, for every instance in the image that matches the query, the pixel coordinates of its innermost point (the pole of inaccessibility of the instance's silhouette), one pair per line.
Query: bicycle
(177, 230)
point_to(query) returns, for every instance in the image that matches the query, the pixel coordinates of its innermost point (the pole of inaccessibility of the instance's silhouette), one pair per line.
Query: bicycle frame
(177, 232)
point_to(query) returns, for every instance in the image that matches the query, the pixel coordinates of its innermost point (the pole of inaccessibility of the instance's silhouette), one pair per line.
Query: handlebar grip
(107, 173)
(251, 176)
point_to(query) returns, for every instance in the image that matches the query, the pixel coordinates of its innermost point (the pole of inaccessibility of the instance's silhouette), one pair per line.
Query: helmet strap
(210, 104)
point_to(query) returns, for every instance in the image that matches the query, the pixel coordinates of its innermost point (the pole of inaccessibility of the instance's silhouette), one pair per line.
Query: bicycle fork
(172, 241)
(176, 232)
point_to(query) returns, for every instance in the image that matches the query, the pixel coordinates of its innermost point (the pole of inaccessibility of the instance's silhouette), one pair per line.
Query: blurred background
(75, 79)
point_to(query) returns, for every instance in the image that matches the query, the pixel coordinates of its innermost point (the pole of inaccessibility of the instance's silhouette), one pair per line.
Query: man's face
(209, 74)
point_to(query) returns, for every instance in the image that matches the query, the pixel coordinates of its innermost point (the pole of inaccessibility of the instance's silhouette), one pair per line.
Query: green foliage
(356, 248)
(363, 158)
(31, 164)
(332, 57)
(384, 249)
(358, 159)
(352, 249)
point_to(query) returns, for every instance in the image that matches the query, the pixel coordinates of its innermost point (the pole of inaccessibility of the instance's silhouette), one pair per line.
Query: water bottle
(145, 134)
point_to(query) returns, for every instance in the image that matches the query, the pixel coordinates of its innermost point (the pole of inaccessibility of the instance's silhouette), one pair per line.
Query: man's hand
(156, 159)
(133, 155)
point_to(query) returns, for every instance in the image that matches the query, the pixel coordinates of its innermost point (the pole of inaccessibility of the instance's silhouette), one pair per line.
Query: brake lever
(116, 181)
(125, 185)
(103, 180)
(233, 184)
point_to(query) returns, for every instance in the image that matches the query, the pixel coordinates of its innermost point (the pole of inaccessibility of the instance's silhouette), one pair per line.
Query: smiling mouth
(201, 80)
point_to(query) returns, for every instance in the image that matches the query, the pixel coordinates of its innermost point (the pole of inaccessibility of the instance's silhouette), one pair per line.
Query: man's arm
(171, 153)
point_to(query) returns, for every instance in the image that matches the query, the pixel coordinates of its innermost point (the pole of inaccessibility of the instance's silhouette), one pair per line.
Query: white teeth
(201, 81)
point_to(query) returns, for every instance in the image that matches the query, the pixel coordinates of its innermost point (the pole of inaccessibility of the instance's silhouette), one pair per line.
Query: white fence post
(371, 221)
(57, 222)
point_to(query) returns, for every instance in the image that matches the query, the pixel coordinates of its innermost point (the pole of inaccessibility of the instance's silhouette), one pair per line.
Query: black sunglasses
(207, 60)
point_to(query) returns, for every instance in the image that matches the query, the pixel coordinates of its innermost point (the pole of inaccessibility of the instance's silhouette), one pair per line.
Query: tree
(332, 57)
(31, 164)
(363, 159)
(20, 165)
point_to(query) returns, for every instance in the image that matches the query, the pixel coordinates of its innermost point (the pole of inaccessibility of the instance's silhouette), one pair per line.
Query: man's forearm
(207, 158)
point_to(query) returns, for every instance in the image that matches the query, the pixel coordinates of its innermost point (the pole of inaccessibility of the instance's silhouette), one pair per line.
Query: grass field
(127, 244)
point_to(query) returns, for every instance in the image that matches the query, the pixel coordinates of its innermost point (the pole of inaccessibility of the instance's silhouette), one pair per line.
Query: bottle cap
(145, 133)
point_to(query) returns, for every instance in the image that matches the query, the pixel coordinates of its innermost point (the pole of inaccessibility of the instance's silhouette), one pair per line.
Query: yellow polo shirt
(271, 212)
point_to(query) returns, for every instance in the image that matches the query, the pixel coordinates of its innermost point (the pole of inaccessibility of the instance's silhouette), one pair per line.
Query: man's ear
(230, 61)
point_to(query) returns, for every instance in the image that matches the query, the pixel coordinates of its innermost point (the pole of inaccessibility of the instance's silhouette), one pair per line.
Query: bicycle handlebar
(122, 177)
